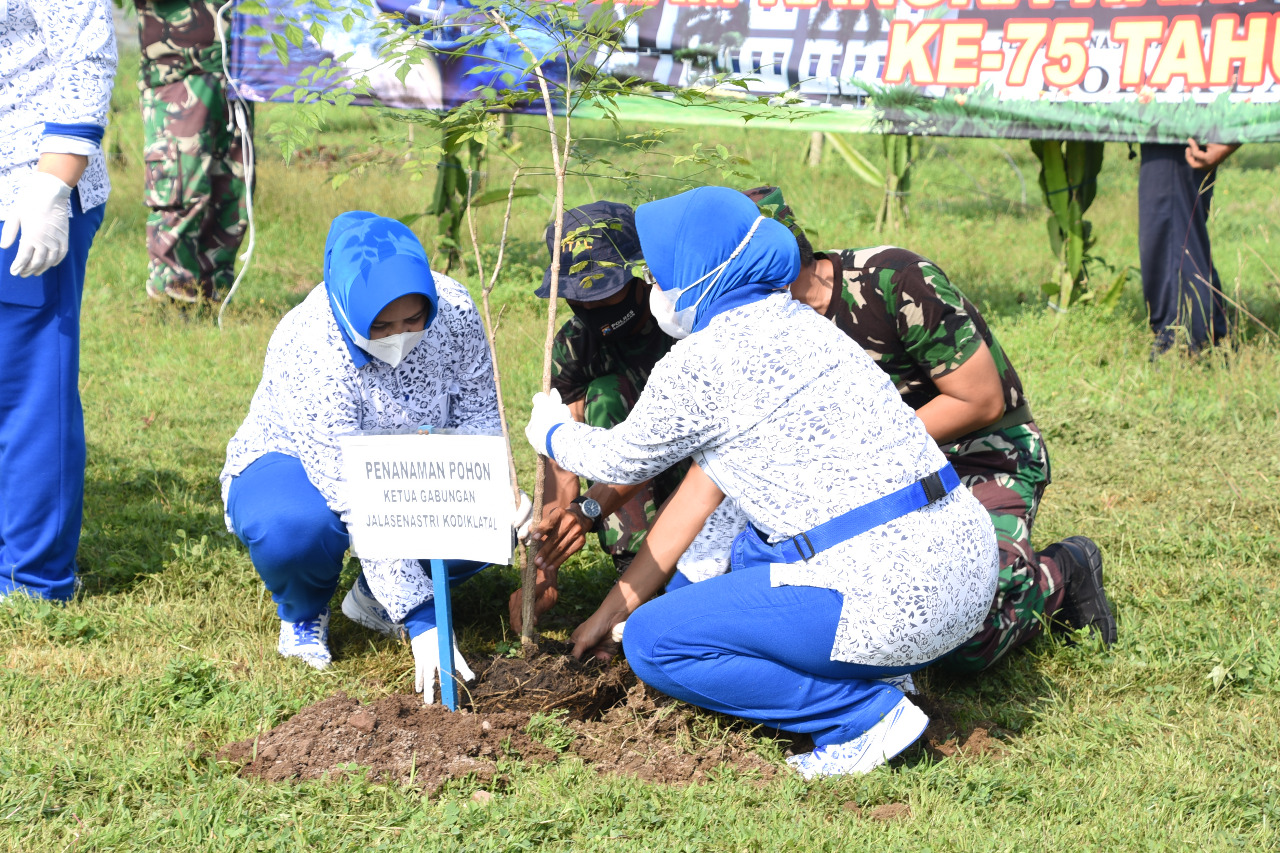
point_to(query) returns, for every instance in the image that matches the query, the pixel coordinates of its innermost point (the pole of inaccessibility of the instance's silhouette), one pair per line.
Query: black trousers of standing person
(1179, 281)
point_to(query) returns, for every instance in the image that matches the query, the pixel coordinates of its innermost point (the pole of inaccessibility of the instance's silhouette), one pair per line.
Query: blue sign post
(444, 628)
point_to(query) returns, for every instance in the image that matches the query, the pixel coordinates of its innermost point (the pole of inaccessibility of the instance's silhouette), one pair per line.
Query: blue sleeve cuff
(90, 132)
(550, 433)
(421, 619)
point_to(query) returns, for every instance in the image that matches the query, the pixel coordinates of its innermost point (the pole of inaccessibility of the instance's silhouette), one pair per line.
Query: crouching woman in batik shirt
(383, 343)
(865, 559)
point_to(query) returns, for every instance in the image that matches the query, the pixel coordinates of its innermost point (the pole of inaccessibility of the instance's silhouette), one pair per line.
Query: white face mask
(679, 324)
(392, 349)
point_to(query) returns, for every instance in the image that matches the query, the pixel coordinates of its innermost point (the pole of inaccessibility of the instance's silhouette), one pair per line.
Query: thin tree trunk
(559, 164)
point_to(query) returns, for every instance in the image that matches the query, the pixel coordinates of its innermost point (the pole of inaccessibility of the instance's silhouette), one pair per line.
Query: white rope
(239, 118)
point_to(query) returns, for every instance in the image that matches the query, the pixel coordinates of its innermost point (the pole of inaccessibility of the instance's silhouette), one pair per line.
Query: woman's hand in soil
(594, 636)
(546, 594)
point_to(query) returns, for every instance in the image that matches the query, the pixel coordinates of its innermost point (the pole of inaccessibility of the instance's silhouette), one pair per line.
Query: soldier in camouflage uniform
(935, 346)
(194, 168)
(601, 360)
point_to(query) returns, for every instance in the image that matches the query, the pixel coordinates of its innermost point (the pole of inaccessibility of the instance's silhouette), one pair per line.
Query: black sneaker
(1085, 604)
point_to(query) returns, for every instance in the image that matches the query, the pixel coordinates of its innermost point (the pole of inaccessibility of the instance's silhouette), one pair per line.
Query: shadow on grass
(135, 519)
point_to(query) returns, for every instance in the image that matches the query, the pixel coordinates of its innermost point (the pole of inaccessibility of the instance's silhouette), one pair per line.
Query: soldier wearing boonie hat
(601, 359)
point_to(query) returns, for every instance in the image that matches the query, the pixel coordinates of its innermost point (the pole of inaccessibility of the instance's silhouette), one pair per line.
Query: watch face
(590, 508)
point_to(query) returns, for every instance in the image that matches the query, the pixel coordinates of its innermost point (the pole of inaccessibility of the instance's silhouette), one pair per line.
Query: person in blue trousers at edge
(864, 560)
(382, 344)
(57, 64)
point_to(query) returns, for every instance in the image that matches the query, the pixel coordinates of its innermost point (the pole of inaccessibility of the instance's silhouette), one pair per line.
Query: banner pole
(444, 628)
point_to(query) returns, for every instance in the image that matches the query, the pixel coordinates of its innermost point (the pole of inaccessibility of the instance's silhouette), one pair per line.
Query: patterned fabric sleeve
(670, 422)
(317, 399)
(473, 397)
(80, 38)
(934, 326)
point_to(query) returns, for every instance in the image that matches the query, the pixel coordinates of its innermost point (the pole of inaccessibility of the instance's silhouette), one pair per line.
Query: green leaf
(1108, 299)
(1055, 236)
(494, 196)
(861, 167)
(294, 34)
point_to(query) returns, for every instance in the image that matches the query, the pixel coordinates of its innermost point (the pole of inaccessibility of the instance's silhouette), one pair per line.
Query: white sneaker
(905, 683)
(900, 728)
(308, 640)
(362, 608)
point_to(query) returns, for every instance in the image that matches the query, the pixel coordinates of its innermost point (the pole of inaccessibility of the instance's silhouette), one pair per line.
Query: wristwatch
(590, 509)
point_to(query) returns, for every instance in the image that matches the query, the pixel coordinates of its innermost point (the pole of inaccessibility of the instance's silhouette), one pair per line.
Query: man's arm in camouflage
(940, 336)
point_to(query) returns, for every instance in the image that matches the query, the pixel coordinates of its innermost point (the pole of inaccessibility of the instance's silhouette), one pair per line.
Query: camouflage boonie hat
(772, 205)
(599, 252)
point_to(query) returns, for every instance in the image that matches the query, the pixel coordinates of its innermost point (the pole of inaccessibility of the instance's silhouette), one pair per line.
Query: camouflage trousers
(608, 401)
(1007, 472)
(194, 185)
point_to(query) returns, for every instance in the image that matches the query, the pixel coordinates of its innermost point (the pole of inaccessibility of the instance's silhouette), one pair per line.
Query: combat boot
(1085, 603)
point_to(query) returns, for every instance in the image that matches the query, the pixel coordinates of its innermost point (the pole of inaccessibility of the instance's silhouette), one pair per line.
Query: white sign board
(429, 497)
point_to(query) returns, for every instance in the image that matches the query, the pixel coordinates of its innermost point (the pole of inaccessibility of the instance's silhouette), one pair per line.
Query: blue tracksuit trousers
(295, 541)
(736, 645)
(42, 448)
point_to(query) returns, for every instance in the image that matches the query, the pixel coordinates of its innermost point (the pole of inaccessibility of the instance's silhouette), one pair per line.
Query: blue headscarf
(369, 262)
(688, 235)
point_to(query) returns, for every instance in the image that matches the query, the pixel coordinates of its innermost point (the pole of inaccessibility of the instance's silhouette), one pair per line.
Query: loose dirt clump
(945, 738)
(397, 739)
(551, 680)
(656, 739)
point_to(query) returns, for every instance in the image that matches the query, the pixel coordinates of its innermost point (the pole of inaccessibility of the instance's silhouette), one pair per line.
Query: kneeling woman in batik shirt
(385, 344)
(864, 561)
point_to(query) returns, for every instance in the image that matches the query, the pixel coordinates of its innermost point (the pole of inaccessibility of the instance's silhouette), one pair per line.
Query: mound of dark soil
(606, 717)
(600, 713)
(551, 680)
(396, 738)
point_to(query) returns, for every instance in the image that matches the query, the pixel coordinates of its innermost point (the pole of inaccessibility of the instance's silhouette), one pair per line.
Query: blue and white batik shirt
(57, 65)
(797, 425)
(312, 393)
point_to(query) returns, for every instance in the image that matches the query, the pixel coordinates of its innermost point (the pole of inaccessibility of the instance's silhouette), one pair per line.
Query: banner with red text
(1121, 70)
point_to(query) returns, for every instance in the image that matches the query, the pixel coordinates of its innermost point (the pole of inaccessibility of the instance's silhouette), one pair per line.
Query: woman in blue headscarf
(383, 343)
(863, 561)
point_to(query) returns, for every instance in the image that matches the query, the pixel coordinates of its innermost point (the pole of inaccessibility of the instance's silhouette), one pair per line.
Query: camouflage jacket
(178, 38)
(579, 357)
(916, 324)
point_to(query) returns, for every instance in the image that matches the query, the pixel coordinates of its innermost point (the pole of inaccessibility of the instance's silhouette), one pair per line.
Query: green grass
(113, 704)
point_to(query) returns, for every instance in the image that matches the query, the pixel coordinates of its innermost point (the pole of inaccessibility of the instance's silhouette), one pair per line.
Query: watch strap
(597, 524)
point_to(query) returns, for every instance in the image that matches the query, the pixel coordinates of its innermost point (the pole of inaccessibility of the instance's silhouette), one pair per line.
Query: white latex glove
(43, 216)
(426, 663)
(524, 517)
(547, 412)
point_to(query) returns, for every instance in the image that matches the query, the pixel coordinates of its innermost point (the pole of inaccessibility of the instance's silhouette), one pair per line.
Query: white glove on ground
(547, 412)
(524, 517)
(42, 214)
(426, 662)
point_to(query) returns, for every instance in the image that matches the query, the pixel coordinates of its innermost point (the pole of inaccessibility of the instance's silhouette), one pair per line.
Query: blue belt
(751, 547)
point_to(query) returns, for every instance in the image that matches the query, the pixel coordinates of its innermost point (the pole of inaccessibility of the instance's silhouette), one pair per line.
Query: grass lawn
(113, 704)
